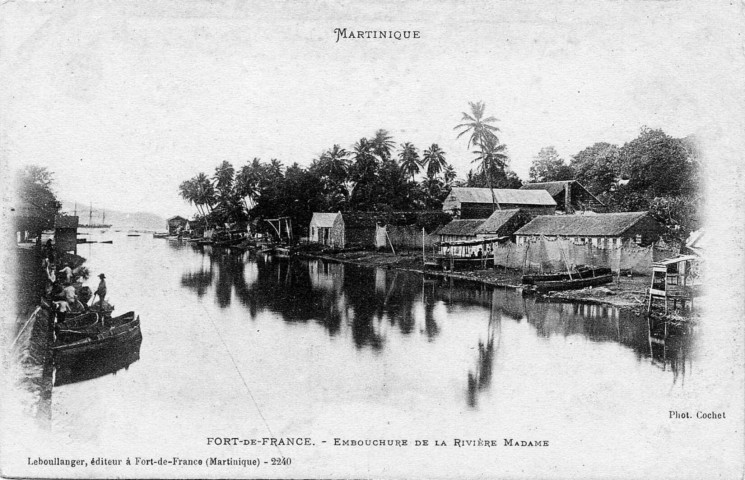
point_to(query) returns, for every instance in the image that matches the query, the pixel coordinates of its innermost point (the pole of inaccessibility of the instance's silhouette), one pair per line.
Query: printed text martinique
(376, 34)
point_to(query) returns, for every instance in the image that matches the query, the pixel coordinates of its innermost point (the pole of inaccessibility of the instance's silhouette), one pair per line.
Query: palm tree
(247, 185)
(410, 163)
(449, 175)
(205, 191)
(490, 159)
(382, 145)
(482, 135)
(224, 176)
(188, 192)
(335, 164)
(480, 129)
(434, 160)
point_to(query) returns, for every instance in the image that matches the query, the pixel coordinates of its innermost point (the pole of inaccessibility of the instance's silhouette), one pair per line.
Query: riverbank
(624, 292)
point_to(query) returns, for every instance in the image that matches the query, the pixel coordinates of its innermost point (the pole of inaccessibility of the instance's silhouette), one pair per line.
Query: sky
(125, 100)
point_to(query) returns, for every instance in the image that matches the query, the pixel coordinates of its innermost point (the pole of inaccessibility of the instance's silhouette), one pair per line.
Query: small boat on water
(87, 366)
(284, 252)
(227, 243)
(580, 272)
(204, 241)
(570, 284)
(133, 234)
(160, 235)
(82, 320)
(106, 241)
(103, 335)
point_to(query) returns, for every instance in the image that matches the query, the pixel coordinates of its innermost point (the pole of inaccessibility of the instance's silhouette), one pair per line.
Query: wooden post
(424, 261)
(389, 241)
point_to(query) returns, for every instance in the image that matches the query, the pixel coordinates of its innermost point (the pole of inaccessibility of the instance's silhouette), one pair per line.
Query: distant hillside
(136, 220)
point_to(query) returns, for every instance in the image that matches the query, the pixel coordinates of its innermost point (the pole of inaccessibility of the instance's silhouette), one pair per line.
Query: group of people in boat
(60, 287)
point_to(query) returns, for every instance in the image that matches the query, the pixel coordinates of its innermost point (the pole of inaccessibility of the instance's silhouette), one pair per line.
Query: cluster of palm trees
(372, 175)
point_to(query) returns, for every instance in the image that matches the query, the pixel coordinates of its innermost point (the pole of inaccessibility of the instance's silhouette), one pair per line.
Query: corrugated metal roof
(602, 224)
(502, 196)
(323, 220)
(552, 188)
(461, 227)
(496, 221)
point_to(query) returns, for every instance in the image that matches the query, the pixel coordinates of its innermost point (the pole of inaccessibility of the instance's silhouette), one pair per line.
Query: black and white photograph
(380, 240)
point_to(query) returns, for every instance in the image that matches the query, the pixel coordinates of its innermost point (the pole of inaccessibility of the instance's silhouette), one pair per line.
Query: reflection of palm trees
(430, 323)
(481, 378)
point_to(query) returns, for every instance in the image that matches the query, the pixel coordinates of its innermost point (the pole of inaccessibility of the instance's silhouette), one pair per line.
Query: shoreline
(627, 293)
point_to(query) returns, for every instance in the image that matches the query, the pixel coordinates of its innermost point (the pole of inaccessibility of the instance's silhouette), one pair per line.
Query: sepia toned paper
(123, 101)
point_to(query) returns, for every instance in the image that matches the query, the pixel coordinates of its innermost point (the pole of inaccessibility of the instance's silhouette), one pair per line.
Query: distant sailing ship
(90, 224)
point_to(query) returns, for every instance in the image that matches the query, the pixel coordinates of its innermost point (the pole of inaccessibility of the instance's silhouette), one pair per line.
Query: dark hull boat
(87, 366)
(104, 335)
(227, 243)
(284, 252)
(573, 284)
(580, 272)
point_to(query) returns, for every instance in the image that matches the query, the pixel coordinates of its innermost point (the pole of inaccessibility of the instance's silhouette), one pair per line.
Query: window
(638, 239)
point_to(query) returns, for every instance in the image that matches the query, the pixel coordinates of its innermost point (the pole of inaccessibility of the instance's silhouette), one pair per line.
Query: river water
(242, 346)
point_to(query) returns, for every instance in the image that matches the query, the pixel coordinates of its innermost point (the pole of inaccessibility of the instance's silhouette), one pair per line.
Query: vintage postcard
(380, 239)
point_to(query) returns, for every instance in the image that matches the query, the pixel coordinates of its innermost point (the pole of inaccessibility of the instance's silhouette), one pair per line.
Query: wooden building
(503, 224)
(670, 281)
(470, 203)
(66, 233)
(462, 237)
(327, 229)
(360, 228)
(570, 196)
(173, 224)
(603, 230)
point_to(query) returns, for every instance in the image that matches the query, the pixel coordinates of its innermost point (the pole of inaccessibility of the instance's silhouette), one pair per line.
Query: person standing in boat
(101, 291)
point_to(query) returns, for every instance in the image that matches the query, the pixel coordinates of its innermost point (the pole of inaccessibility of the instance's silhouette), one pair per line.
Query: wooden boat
(573, 284)
(87, 366)
(106, 241)
(227, 243)
(160, 235)
(283, 252)
(100, 337)
(579, 272)
(83, 320)
(204, 241)
(133, 234)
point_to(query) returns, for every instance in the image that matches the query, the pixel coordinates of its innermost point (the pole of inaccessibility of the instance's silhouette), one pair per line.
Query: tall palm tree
(247, 185)
(335, 163)
(449, 175)
(482, 133)
(410, 162)
(205, 191)
(382, 144)
(188, 192)
(479, 127)
(434, 160)
(490, 159)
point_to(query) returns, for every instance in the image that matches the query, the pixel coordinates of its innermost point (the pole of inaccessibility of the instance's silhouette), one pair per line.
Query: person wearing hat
(101, 291)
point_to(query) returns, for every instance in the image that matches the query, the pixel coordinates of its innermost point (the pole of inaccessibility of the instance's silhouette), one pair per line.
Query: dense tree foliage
(653, 172)
(34, 187)
(548, 166)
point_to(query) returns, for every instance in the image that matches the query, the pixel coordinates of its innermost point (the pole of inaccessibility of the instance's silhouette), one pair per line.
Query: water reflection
(480, 378)
(371, 305)
(670, 347)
